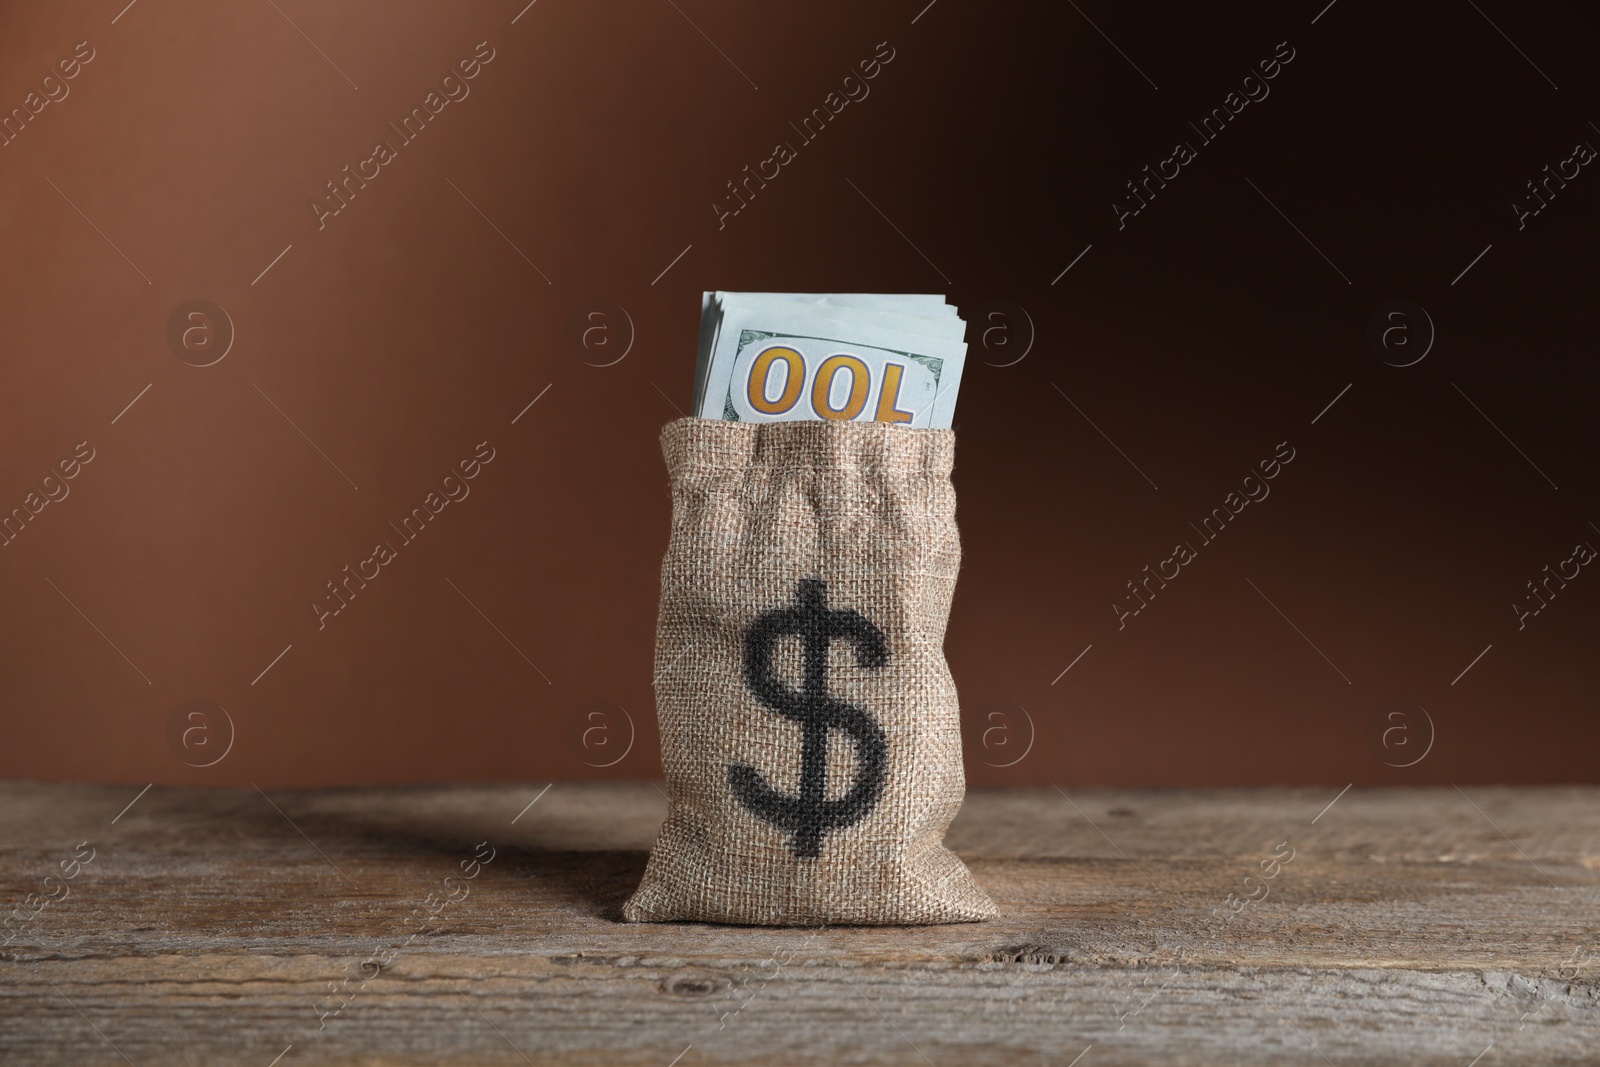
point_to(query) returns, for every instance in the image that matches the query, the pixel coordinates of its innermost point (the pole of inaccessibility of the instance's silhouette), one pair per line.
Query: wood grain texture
(226, 926)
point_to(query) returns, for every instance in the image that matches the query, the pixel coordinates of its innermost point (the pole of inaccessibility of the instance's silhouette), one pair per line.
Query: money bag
(809, 724)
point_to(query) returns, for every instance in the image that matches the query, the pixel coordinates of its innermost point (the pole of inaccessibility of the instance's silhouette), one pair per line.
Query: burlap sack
(809, 724)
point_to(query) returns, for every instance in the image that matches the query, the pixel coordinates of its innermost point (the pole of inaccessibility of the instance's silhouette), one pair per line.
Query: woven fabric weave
(809, 724)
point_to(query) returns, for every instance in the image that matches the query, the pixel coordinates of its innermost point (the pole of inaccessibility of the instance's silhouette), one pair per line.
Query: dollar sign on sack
(810, 815)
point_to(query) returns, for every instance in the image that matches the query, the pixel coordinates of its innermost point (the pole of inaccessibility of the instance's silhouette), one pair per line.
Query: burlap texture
(808, 580)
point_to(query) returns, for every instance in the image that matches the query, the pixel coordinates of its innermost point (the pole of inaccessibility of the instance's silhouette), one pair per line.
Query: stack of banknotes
(857, 357)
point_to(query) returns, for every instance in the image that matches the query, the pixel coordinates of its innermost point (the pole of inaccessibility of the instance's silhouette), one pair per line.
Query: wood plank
(224, 926)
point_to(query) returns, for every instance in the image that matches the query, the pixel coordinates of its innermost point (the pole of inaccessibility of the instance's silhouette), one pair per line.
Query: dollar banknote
(860, 357)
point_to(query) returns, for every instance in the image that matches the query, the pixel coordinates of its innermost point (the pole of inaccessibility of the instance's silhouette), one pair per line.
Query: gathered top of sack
(693, 445)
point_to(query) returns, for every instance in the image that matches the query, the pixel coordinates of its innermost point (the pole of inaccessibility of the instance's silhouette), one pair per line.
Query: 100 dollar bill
(777, 359)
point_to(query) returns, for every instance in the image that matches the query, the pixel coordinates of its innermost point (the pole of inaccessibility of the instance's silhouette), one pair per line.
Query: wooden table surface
(1426, 926)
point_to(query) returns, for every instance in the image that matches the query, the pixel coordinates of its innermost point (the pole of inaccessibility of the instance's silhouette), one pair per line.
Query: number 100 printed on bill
(781, 378)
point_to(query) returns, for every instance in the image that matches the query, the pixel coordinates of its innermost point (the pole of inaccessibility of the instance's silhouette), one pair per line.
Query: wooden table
(240, 926)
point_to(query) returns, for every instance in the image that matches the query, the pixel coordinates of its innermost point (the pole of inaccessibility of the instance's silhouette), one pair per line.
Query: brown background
(408, 330)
